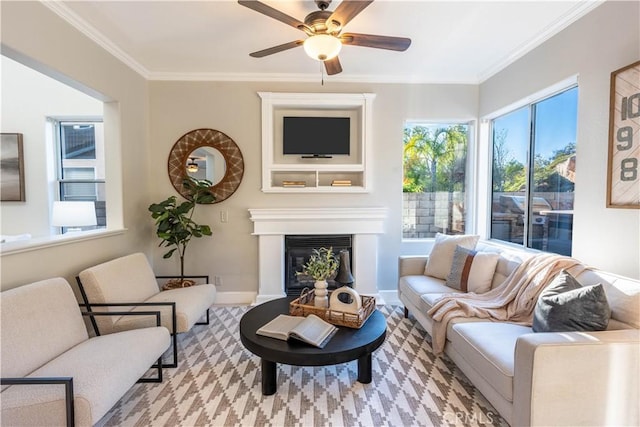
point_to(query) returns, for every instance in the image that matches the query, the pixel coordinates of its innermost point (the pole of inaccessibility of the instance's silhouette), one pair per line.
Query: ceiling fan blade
(333, 66)
(379, 42)
(347, 10)
(272, 13)
(276, 49)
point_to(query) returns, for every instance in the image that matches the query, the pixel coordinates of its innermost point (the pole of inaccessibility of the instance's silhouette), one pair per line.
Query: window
(434, 182)
(81, 168)
(533, 173)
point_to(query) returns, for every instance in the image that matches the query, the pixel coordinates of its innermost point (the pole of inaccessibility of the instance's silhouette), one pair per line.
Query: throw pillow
(441, 256)
(565, 306)
(472, 271)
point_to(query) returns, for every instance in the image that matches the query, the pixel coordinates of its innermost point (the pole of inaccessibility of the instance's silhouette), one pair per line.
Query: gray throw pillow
(566, 306)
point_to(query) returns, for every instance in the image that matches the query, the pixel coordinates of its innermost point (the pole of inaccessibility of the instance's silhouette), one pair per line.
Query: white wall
(28, 98)
(604, 40)
(234, 108)
(32, 32)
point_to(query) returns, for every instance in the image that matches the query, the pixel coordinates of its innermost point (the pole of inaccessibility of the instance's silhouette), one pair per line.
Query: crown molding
(96, 36)
(575, 13)
(60, 9)
(299, 78)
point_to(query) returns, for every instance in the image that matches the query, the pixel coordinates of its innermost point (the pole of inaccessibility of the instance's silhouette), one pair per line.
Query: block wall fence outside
(425, 214)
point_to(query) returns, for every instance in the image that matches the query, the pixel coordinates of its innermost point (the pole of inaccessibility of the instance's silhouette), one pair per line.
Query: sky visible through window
(559, 115)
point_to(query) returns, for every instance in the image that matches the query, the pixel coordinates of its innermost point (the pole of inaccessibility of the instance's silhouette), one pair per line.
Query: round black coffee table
(346, 345)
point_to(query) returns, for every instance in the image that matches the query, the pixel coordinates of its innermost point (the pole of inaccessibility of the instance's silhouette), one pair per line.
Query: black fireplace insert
(298, 250)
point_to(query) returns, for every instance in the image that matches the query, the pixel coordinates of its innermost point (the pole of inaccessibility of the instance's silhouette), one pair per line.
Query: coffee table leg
(364, 369)
(269, 380)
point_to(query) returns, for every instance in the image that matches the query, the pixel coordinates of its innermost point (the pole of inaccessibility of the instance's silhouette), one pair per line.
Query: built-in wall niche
(355, 146)
(293, 173)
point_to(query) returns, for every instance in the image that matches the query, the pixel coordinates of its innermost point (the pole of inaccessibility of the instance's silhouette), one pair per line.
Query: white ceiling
(452, 41)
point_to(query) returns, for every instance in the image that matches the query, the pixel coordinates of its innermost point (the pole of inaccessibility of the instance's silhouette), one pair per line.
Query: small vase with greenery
(174, 223)
(322, 265)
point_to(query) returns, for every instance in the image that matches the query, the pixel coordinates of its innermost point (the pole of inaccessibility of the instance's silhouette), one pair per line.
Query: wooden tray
(303, 306)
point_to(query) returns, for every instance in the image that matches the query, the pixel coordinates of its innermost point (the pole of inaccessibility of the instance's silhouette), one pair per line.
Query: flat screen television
(316, 136)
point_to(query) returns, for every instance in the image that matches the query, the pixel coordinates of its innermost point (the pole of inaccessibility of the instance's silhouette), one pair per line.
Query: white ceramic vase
(321, 298)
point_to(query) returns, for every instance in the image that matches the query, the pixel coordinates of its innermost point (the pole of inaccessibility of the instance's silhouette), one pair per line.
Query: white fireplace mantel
(271, 225)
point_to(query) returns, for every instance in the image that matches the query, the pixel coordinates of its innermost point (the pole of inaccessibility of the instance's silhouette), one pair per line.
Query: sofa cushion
(441, 256)
(489, 347)
(103, 369)
(125, 279)
(472, 271)
(565, 306)
(39, 321)
(415, 287)
(191, 303)
(623, 294)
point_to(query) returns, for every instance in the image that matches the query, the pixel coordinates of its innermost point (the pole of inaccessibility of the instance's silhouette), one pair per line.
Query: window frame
(100, 151)
(485, 164)
(470, 172)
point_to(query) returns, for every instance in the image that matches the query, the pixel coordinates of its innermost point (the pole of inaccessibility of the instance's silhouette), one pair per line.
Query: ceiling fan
(324, 31)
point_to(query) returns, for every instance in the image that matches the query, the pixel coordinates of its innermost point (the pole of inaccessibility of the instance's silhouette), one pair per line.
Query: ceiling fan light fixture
(192, 166)
(322, 47)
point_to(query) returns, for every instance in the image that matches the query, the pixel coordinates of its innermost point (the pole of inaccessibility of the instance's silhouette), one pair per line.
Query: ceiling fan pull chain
(321, 73)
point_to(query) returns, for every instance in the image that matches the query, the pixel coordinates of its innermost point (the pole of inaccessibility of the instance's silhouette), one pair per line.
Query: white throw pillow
(472, 271)
(441, 256)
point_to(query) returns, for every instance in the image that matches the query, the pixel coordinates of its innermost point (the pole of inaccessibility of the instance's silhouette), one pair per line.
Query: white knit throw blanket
(513, 301)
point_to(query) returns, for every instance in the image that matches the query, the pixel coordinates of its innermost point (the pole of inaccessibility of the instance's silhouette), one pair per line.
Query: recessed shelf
(285, 173)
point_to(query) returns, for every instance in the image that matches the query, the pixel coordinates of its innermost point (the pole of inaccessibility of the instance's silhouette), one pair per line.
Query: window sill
(12, 248)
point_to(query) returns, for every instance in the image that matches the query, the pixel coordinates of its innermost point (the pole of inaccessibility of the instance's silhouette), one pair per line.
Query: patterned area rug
(217, 383)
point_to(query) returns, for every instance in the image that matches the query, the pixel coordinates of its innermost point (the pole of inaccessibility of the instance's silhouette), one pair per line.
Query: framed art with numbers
(623, 180)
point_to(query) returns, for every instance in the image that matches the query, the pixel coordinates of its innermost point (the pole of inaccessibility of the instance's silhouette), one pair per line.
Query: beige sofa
(543, 379)
(44, 338)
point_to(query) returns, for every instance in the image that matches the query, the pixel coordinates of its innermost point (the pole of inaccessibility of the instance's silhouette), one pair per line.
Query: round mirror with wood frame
(180, 154)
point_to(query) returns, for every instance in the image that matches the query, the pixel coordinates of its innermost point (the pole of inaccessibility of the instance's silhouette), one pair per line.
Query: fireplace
(298, 249)
(271, 225)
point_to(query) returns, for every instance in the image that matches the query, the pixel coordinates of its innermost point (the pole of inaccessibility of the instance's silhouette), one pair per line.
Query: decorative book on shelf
(311, 329)
(294, 184)
(341, 183)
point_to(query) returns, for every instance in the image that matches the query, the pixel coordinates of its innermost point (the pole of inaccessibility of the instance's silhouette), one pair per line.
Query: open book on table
(311, 329)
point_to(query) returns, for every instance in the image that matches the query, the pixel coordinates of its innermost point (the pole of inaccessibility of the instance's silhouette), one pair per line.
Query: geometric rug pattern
(218, 383)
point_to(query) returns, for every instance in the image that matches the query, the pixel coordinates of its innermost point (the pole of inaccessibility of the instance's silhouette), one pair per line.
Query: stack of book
(294, 183)
(341, 183)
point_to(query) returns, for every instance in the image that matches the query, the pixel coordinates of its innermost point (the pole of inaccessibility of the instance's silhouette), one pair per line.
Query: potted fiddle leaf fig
(175, 224)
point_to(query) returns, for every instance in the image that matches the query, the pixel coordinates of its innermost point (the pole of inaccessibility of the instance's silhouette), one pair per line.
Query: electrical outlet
(217, 281)
(224, 216)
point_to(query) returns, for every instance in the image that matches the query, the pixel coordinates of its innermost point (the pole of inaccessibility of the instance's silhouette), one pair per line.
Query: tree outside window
(434, 182)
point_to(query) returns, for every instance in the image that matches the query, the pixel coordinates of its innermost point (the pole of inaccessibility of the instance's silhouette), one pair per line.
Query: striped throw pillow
(472, 271)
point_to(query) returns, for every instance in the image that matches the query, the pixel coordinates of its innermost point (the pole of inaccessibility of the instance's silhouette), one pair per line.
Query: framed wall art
(11, 168)
(623, 178)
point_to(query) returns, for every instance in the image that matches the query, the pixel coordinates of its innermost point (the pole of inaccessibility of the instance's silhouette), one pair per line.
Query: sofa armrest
(68, 391)
(577, 378)
(93, 314)
(411, 265)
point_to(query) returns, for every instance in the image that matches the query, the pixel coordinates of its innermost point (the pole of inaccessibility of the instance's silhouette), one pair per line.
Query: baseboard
(248, 298)
(390, 297)
(235, 298)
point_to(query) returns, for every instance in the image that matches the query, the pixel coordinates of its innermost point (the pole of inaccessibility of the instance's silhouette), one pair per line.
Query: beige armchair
(53, 373)
(128, 283)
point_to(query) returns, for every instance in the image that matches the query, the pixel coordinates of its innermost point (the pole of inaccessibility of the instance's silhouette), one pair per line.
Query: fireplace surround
(272, 225)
